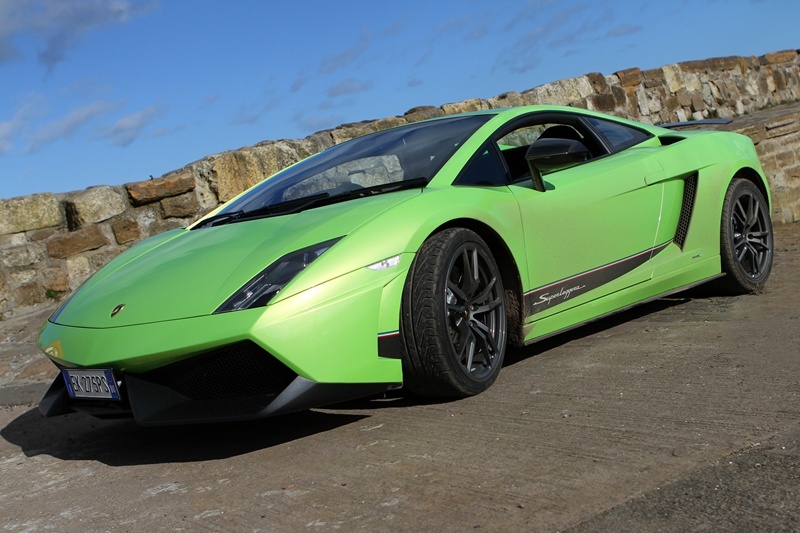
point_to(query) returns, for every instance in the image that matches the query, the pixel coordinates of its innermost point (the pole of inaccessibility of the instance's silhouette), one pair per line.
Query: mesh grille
(238, 370)
(689, 192)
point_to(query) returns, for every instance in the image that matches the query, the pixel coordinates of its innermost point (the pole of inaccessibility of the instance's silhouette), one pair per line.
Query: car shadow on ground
(122, 443)
(80, 437)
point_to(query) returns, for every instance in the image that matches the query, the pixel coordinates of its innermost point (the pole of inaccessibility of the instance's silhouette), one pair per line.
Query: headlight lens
(263, 287)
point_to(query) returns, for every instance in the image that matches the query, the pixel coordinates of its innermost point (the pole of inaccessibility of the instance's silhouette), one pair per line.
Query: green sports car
(412, 257)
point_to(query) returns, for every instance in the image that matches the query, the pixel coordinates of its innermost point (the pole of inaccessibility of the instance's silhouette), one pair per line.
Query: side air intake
(687, 206)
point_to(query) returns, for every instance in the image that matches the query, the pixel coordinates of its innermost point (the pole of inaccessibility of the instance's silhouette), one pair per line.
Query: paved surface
(683, 414)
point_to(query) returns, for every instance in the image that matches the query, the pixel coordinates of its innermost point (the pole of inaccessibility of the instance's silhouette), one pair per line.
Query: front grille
(238, 370)
(689, 192)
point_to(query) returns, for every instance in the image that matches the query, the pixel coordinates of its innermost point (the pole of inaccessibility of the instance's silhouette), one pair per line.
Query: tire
(453, 318)
(746, 240)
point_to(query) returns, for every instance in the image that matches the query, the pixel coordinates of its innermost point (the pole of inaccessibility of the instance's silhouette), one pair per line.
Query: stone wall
(50, 243)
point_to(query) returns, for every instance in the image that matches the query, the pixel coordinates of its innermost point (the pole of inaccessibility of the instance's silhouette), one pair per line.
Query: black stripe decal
(541, 299)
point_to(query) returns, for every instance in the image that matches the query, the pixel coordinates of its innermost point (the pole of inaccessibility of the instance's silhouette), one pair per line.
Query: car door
(593, 227)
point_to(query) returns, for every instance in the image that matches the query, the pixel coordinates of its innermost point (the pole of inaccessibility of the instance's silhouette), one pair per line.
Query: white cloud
(58, 24)
(128, 128)
(349, 86)
(347, 56)
(11, 128)
(67, 126)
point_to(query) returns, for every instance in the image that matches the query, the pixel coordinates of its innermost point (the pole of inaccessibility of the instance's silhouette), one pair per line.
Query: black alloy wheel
(454, 317)
(747, 243)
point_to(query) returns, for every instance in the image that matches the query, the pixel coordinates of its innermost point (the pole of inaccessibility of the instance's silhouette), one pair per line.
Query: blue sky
(96, 92)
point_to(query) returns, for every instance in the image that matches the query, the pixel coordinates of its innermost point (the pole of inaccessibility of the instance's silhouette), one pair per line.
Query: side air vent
(666, 140)
(687, 206)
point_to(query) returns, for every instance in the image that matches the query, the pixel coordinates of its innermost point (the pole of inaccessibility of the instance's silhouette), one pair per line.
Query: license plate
(91, 384)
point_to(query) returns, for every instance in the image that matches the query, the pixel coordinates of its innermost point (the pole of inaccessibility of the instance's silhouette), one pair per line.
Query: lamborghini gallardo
(414, 256)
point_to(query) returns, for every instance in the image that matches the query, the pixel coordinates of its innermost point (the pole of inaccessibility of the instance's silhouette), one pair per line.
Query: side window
(484, 170)
(514, 145)
(619, 135)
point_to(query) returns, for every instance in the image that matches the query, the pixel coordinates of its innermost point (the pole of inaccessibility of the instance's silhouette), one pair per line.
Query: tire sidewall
(461, 239)
(730, 264)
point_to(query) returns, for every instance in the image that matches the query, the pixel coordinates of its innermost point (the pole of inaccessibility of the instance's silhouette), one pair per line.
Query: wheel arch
(509, 272)
(757, 179)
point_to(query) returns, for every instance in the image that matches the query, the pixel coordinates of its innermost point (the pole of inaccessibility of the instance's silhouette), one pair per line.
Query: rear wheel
(454, 317)
(746, 241)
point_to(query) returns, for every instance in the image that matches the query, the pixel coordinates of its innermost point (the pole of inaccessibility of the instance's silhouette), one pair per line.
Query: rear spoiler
(696, 123)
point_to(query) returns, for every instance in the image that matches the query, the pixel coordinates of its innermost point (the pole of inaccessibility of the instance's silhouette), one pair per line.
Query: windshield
(371, 162)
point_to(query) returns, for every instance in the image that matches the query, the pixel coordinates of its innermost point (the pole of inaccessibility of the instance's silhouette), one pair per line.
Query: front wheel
(746, 241)
(454, 317)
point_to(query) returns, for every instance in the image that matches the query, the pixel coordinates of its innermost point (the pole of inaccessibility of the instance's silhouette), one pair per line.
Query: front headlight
(262, 288)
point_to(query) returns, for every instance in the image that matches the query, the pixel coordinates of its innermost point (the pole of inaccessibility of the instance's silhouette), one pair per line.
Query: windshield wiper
(224, 217)
(283, 208)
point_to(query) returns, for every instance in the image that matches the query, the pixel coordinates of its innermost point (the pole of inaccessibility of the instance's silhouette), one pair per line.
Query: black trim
(155, 405)
(152, 404)
(702, 122)
(389, 345)
(542, 298)
(687, 207)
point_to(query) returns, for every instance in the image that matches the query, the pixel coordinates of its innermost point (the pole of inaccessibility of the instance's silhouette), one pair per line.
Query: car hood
(187, 273)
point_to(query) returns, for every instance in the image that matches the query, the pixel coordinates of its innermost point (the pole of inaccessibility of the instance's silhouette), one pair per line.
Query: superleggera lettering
(563, 293)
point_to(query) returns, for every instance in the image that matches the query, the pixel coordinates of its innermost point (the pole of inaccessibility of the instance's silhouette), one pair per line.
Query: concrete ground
(683, 414)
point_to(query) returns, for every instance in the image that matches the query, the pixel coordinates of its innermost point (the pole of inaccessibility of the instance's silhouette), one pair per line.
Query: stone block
(390, 122)
(684, 98)
(26, 213)
(181, 206)
(603, 102)
(145, 192)
(779, 80)
(509, 99)
(424, 112)
(574, 89)
(20, 256)
(55, 279)
(713, 64)
(672, 104)
(692, 83)
(697, 102)
(125, 230)
(97, 204)
(236, 171)
(782, 126)
(23, 277)
(474, 104)
(756, 132)
(345, 132)
(101, 258)
(78, 271)
(598, 82)
(27, 295)
(15, 239)
(313, 144)
(673, 77)
(75, 242)
(785, 159)
(785, 56)
(3, 282)
(42, 234)
(629, 77)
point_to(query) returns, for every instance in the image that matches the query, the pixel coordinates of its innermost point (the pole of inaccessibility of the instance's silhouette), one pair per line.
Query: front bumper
(240, 382)
(331, 343)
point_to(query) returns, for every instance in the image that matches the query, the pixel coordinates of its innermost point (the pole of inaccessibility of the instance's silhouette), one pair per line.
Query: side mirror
(550, 154)
(553, 154)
